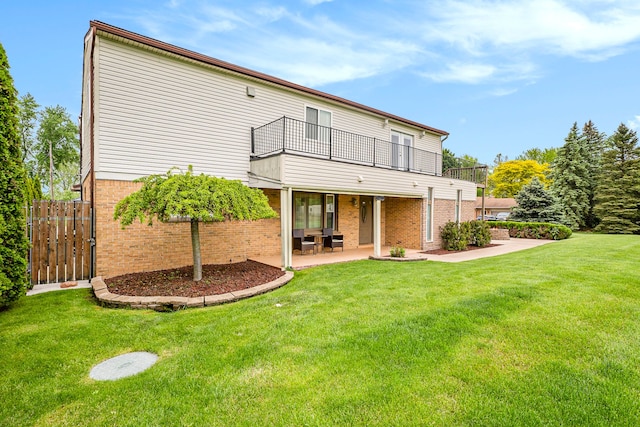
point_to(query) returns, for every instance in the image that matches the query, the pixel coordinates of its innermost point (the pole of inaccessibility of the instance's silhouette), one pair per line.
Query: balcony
(476, 174)
(291, 136)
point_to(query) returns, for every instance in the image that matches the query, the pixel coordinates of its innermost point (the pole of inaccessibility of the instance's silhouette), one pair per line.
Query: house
(323, 161)
(495, 205)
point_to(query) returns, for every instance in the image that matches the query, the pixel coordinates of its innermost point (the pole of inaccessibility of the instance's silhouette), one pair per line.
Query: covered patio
(309, 260)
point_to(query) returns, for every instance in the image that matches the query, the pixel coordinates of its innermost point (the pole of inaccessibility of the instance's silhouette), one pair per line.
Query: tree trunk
(195, 245)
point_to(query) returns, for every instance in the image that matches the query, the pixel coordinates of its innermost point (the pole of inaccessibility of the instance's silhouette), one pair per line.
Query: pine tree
(13, 242)
(570, 179)
(594, 142)
(618, 192)
(535, 204)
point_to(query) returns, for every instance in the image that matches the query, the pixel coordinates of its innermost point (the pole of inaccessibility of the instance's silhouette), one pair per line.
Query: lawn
(546, 336)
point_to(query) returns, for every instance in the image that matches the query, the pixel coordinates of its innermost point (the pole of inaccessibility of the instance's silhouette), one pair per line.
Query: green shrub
(535, 230)
(455, 237)
(397, 252)
(13, 241)
(480, 233)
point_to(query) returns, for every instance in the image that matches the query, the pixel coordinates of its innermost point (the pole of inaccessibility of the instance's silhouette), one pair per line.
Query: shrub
(480, 233)
(455, 237)
(397, 252)
(535, 230)
(13, 242)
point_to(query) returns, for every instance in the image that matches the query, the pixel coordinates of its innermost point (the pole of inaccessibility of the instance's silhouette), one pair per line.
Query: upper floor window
(318, 124)
(401, 150)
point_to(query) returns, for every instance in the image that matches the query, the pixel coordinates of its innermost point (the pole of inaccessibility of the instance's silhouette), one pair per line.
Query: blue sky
(499, 76)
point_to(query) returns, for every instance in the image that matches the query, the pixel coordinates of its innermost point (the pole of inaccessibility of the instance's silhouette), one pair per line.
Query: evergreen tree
(571, 181)
(535, 204)
(618, 192)
(594, 142)
(13, 242)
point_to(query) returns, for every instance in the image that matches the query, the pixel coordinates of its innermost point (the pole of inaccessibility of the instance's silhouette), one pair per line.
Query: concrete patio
(310, 260)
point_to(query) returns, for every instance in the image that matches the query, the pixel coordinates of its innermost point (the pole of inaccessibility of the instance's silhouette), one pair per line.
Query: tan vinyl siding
(325, 175)
(157, 111)
(86, 110)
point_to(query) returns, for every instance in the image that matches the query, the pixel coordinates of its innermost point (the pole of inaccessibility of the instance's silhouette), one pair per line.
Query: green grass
(547, 336)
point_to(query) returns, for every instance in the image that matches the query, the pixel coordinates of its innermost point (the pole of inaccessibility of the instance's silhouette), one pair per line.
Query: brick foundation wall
(143, 248)
(403, 222)
(443, 212)
(468, 211)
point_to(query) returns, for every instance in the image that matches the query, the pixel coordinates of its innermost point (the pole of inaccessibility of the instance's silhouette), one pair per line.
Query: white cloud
(475, 73)
(541, 26)
(317, 2)
(462, 73)
(471, 42)
(634, 123)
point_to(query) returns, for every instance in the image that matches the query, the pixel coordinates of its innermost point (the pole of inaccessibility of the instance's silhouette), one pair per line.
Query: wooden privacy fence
(61, 236)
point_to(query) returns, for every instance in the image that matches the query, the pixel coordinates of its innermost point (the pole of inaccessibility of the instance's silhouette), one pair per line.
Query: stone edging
(396, 259)
(160, 303)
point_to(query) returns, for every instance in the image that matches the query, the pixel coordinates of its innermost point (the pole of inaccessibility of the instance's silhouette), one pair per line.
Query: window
(401, 150)
(458, 205)
(329, 202)
(318, 125)
(309, 212)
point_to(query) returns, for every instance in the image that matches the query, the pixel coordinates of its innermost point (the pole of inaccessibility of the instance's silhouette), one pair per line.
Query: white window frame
(458, 206)
(316, 131)
(400, 157)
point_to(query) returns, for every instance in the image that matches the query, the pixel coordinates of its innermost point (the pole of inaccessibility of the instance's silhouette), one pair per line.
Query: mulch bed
(216, 279)
(446, 252)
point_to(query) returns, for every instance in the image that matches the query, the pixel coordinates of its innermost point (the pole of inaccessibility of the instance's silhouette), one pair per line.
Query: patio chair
(330, 240)
(302, 242)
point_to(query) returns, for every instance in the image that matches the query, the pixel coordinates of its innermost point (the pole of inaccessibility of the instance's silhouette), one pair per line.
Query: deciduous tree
(57, 144)
(199, 198)
(544, 155)
(13, 243)
(618, 192)
(509, 177)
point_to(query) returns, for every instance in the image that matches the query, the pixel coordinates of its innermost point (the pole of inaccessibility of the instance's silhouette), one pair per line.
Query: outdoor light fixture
(354, 201)
(415, 183)
(360, 178)
(386, 123)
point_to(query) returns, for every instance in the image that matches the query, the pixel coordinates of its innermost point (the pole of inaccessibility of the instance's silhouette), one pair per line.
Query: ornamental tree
(509, 177)
(198, 198)
(13, 242)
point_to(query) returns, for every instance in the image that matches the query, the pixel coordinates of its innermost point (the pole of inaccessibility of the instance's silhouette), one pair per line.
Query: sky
(499, 76)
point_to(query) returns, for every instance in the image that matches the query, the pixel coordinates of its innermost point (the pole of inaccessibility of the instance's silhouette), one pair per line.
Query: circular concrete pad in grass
(122, 366)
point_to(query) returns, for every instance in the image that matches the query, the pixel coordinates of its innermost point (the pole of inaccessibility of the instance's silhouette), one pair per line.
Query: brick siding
(143, 248)
(403, 222)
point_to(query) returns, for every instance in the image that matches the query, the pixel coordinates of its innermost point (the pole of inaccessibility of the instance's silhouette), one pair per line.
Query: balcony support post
(284, 133)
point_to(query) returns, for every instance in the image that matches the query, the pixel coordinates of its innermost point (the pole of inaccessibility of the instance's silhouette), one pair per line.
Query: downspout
(441, 150)
(92, 172)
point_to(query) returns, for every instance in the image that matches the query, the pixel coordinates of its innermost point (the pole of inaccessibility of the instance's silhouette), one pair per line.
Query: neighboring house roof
(496, 202)
(119, 32)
